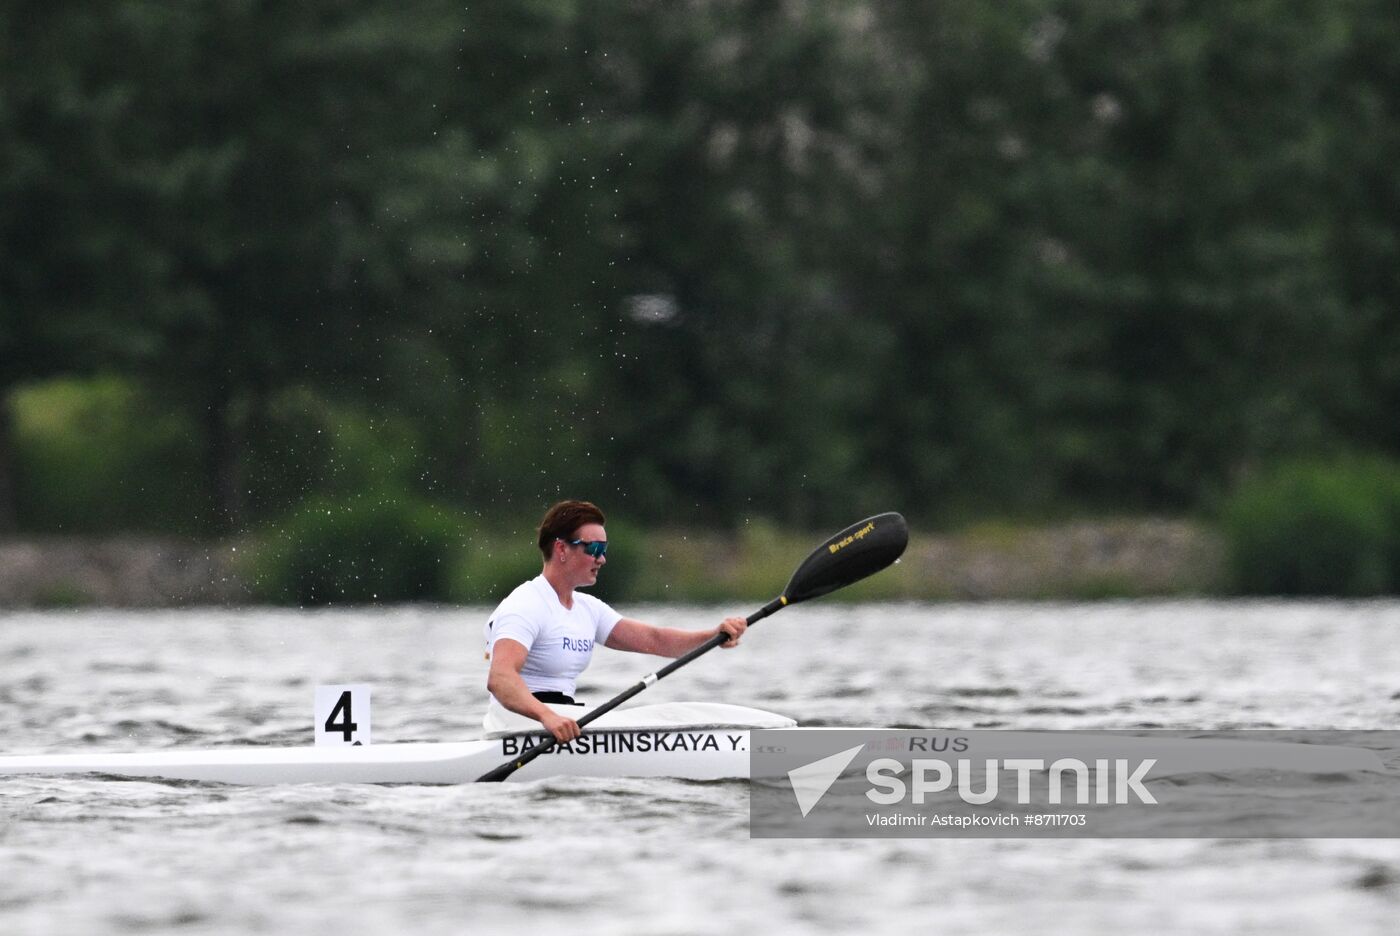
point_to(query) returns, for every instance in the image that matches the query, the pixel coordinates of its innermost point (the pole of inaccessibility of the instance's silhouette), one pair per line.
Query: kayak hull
(689, 753)
(699, 754)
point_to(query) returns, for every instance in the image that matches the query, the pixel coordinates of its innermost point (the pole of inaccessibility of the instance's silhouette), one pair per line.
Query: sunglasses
(595, 548)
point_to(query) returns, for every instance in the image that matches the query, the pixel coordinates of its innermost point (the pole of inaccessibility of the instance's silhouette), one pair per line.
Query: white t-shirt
(560, 640)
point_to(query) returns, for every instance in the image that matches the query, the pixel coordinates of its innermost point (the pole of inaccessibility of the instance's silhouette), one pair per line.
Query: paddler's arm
(503, 681)
(637, 637)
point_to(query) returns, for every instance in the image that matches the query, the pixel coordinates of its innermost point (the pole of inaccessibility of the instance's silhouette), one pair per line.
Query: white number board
(342, 715)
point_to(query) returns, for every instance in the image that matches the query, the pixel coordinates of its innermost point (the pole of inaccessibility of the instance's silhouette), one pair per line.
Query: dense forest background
(702, 262)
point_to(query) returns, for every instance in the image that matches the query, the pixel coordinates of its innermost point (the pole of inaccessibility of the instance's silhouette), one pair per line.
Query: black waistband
(554, 698)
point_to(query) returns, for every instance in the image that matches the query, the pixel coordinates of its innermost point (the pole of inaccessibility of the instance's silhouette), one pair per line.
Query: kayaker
(541, 637)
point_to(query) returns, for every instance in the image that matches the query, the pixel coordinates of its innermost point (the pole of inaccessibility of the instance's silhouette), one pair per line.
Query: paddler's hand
(735, 628)
(563, 729)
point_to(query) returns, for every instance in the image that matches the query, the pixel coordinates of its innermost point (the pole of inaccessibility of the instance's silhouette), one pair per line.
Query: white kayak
(691, 741)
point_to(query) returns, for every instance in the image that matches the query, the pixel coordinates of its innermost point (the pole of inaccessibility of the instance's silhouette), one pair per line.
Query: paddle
(855, 553)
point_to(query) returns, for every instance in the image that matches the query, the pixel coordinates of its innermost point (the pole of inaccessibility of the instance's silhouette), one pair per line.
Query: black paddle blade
(857, 552)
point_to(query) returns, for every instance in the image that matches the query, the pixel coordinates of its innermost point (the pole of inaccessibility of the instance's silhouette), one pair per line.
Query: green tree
(1198, 306)
(1360, 109)
(79, 290)
(1109, 248)
(241, 158)
(742, 141)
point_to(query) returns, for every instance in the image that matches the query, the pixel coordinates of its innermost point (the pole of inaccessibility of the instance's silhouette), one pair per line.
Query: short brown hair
(561, 520)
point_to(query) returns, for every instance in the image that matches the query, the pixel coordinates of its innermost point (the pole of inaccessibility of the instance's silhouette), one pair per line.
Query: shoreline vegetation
(1078, 560)
(1323, 529)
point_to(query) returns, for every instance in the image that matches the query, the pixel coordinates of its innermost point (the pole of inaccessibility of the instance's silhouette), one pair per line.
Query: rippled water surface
(660, 856)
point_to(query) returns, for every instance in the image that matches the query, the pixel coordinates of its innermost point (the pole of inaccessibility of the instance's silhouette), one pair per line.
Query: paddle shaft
(505, 770)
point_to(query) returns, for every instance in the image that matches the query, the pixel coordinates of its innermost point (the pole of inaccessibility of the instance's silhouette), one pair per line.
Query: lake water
(660, 856)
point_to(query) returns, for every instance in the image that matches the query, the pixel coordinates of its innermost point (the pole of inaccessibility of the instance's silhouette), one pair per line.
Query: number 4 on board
(342, 715)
